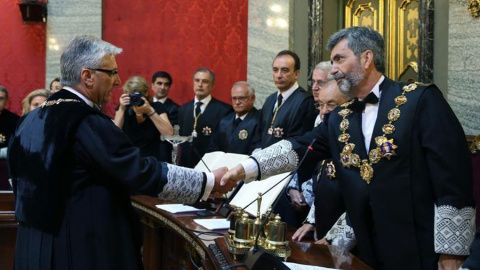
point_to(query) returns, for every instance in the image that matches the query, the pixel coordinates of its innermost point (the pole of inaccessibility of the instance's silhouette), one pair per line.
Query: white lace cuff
(454, 229)
(183, 184)
(311, 215)
(277, 158)
(342, 235)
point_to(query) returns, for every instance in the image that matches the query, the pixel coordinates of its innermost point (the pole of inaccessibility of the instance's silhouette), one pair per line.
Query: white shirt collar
(241, 117)
(376, 88)
(205, 101)
(289, 92)
(89, 102)
(162, 100)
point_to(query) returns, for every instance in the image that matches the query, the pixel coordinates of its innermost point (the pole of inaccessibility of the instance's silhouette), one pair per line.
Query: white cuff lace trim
(454, 229)
(342, 235)
(311, 215)
(277, 158)
(184, 185)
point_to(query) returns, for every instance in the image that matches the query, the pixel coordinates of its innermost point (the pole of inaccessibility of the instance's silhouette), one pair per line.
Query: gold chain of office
(57, 101)
(385, 147)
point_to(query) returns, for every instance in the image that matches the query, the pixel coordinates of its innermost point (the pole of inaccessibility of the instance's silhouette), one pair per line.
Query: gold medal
(344, 124)
(355, 160)
(243, 134)
(345, 159)
(388, 128)
(400, 100)
(387, 149)
(207, 131)
(330, 169)
(394, 114)
(344, 137)
(374, 156)
(366, 171)
(410, 87)
(345, 112)
(278, 132)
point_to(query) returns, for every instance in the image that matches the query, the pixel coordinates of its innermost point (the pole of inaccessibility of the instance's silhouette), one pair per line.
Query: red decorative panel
(22, 54)
(179, 36)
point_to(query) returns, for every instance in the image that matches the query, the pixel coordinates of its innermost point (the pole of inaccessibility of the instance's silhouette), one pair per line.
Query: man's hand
(218, 188)
(302, 231)
(449, 262)
(297, 199)
(322, 241)
(234, 175)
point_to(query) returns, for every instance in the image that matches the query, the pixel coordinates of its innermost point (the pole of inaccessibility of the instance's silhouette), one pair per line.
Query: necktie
(197, 108)
(237, 121)
(279, 100)
(359, 105)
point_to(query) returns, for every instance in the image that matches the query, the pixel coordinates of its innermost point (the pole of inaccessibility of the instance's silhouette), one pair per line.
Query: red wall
(179, 36)
(22, 54)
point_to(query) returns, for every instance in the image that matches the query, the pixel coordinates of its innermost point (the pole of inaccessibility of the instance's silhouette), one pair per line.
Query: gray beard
(344, 86)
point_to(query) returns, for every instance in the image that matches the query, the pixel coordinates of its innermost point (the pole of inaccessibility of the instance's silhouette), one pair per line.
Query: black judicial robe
(242, 139)
(166, 147)
(73, 172)
(394, 216)
(207, 125)
(328, 202)
(295, 117)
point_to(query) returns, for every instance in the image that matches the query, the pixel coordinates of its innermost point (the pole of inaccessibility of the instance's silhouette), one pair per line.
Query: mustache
(337, 76)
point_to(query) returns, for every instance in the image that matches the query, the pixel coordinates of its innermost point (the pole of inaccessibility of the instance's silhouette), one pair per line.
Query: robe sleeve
(449, 165)
(111, 158)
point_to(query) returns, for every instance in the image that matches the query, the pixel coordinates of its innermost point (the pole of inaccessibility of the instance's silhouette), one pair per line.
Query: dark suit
(207, 125)
(394, 216)
(473, 261)
(73, 172)
(172, 112)
(242, 139)
(295, 116)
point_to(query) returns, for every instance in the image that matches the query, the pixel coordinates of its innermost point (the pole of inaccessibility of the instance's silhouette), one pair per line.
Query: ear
(297, 73)
(367, 59)
(87, 77)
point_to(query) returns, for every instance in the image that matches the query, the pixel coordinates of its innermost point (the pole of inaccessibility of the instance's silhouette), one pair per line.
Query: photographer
(143, 122)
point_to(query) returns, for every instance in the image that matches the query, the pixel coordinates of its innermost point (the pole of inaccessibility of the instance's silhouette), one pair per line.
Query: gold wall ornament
(474, 8)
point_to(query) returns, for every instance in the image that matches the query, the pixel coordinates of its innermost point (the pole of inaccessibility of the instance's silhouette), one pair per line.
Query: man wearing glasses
(239, 132)
(73, 172)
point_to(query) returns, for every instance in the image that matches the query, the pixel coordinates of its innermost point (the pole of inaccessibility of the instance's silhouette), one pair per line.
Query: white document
(249, 192)
(214, 223)
(177, 208)
(296, 266)
(215, 160)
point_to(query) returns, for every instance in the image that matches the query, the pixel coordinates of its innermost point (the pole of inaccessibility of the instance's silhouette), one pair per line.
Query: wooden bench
(8, 229)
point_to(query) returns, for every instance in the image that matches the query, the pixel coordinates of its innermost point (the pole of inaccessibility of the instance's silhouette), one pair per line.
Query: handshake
(226, 180)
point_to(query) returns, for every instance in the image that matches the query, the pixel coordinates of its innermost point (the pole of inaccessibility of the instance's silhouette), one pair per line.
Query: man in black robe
(289, 111)
(200, 117)
(402, 162)
(73, 172)
(239, 132)
(8, 123)
(161, 83)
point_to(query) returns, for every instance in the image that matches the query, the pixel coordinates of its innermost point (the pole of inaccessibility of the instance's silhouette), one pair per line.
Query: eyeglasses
(319, 83)
(241, 99)
(111, 72)
(329, 106)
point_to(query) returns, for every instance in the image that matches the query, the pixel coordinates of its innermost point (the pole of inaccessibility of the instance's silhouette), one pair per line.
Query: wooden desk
(8, 229)
(167, 242)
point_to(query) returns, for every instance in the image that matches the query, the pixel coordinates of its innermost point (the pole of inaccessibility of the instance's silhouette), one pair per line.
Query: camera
(136, 99)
